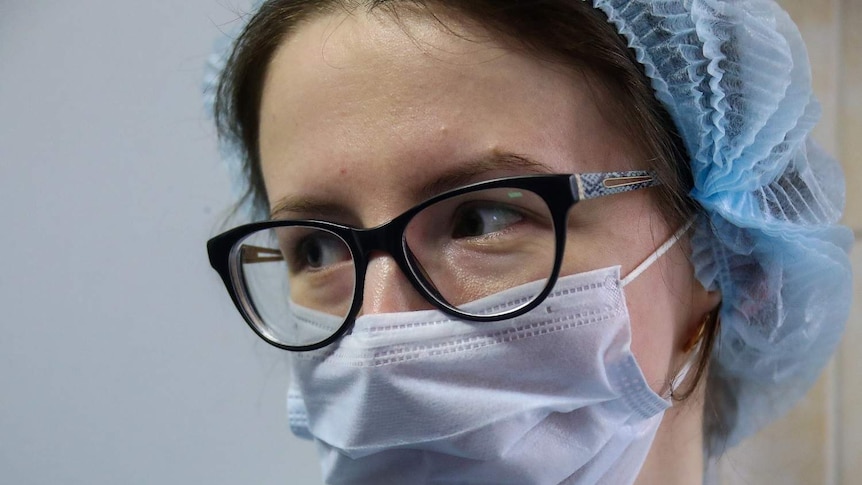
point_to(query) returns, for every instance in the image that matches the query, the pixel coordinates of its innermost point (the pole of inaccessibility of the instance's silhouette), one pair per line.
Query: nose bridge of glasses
(384, 238)
(388, 286)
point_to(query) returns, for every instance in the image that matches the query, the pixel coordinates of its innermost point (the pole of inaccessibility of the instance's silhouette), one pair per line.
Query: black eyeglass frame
(560, 193)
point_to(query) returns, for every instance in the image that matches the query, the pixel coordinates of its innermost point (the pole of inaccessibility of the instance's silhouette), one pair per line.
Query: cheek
(659, 301)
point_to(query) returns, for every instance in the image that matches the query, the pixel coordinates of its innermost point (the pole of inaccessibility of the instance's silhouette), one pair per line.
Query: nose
(387, 289)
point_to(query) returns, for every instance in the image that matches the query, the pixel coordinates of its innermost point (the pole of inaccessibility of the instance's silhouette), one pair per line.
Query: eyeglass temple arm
(592, 185)
(256, 254)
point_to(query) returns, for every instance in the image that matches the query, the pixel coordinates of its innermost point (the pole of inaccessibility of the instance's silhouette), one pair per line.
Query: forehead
(375, 99)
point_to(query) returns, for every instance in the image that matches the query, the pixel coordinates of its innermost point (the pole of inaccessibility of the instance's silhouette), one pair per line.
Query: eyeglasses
(299, 283)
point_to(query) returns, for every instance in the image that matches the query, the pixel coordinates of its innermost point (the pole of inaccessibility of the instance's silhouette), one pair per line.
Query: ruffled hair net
(734, 76)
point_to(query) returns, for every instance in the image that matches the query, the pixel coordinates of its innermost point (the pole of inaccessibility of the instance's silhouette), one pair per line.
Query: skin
(362, 116)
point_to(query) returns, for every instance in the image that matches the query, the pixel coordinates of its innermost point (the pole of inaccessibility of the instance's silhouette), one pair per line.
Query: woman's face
(363, 118)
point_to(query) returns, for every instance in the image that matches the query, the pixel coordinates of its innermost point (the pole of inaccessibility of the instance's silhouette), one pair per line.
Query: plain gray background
(121, 358)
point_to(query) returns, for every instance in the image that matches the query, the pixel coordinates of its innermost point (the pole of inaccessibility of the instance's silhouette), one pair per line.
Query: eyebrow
(462, 174)
(309, 208)
(473, 171)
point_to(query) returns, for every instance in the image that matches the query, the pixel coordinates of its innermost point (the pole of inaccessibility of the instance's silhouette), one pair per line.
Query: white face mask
(552, 396)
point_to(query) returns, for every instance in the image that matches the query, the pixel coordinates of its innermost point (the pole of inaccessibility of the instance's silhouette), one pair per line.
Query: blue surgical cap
(735, 77)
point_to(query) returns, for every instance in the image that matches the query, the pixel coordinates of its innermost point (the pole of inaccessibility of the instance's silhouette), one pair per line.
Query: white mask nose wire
(652, 258)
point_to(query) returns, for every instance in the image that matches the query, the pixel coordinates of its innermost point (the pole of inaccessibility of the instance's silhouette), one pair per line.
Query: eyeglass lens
(300, 281)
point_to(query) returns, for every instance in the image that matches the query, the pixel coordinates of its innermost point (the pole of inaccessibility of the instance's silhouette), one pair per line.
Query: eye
(478, 219)
(318, 250)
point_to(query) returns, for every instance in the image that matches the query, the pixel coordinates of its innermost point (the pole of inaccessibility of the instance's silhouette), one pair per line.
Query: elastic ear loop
(652, 258)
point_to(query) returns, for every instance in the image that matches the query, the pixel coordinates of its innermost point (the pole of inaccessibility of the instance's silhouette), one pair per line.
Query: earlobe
(698, 342)
(696, 336)
(707, 306)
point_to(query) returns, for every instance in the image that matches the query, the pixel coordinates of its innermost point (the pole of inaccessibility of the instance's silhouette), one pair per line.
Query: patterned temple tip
(592, 185)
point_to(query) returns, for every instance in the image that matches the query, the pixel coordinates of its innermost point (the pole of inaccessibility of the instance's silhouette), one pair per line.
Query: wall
(121, 360)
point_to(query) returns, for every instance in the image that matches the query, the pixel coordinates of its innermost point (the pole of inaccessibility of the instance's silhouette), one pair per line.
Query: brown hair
(572, 33)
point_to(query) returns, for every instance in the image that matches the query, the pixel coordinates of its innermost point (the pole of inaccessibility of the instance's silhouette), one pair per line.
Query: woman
(532, 242)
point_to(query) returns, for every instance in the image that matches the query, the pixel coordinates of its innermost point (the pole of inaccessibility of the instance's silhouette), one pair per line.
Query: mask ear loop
(694, 347)
(652, 258)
